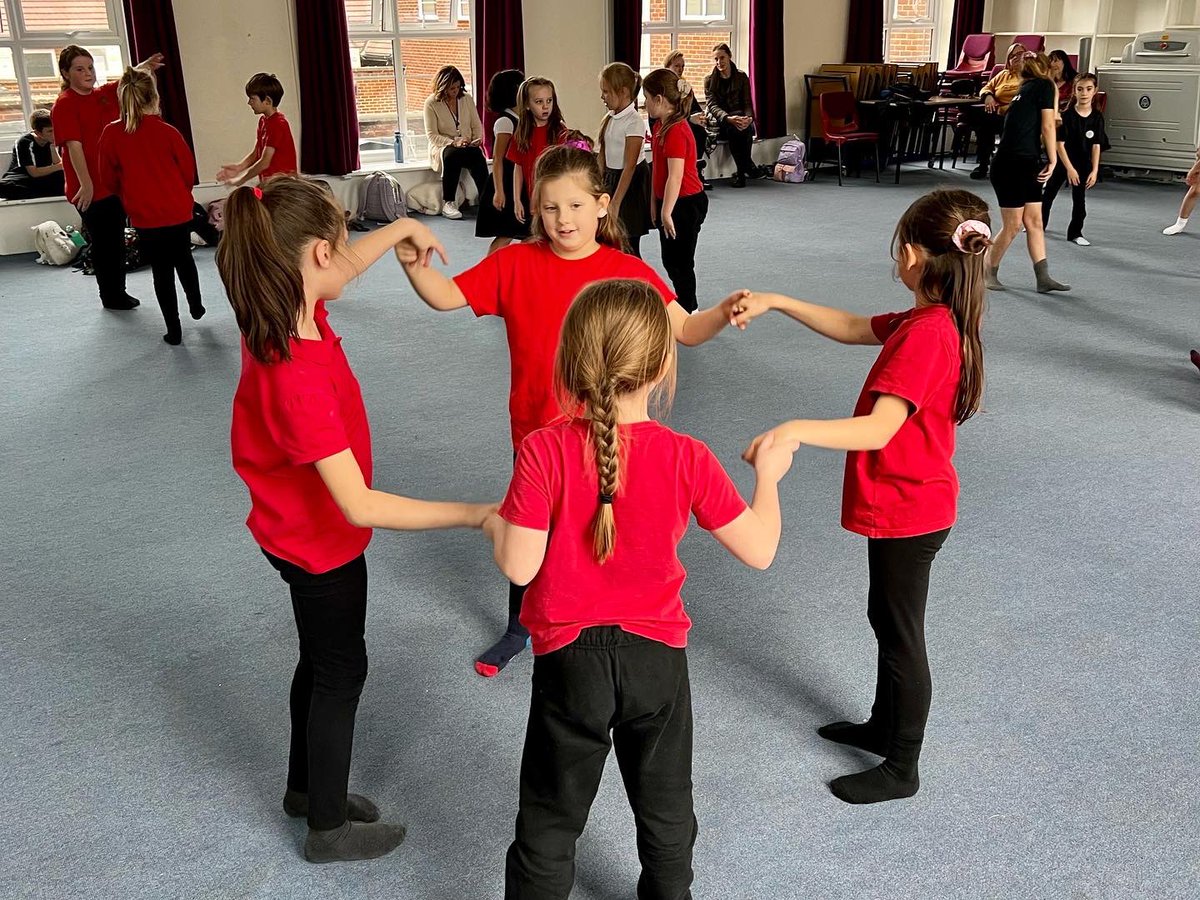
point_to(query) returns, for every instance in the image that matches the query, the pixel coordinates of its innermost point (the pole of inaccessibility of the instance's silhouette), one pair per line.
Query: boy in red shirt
(901, 490)
(592, 522)
(147, 163)
(274, 150)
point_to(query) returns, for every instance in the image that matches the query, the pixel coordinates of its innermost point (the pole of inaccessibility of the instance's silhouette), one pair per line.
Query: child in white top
(621, 146)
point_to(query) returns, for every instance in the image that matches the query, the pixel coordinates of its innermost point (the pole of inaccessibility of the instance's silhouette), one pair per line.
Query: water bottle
(398, 147)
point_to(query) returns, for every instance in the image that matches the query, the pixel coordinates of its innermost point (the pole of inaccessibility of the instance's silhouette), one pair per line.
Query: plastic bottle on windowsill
(398, 146)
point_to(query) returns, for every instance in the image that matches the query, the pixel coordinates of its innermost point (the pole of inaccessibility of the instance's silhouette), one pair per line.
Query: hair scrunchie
(970, 226)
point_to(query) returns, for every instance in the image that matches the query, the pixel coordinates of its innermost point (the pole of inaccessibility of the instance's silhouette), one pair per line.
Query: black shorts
(1015, 179)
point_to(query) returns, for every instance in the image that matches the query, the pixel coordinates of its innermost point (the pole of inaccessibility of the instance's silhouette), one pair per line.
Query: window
(396, 49)
(908, 30)
(32, 32)
(691, 26)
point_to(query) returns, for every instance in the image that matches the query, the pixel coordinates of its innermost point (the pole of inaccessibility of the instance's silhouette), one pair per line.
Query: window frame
(18, 40)
(679, 23)
(386, 26)
(928, 22)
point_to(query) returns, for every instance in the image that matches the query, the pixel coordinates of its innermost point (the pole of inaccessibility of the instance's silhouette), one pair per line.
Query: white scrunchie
(683, 87)
(970, 226)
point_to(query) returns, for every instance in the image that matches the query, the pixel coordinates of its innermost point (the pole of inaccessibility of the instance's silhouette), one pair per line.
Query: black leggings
(169, 250)
(740, 144)
(899, 570)
(104, 221)
(331, 613)
(987, 127)
(679, 252)
(607, 689)
(1078, 198)
(454, 160)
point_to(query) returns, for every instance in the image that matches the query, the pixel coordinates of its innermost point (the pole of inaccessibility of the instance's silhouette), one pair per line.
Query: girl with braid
(530, 285)
(592, 521)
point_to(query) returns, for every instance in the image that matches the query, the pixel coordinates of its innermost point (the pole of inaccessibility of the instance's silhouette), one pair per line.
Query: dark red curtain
(328, 114)
(627, 33)
(864, 37)
(968, 19)
(499, 45)
(766, 68)
(151, 25)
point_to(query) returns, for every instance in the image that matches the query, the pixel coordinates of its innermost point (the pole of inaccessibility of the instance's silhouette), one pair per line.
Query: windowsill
(389, 165)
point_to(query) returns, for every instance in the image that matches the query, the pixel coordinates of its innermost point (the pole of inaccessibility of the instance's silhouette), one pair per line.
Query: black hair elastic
(606, 498)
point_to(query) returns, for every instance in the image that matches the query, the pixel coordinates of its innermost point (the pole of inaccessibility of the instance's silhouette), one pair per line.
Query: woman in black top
(731, 108)
(1018, 173)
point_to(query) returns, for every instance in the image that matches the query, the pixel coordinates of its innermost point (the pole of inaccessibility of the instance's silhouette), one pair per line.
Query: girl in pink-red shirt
(901, 490)
(593, 516)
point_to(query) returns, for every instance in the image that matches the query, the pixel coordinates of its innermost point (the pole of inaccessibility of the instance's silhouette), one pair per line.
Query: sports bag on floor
(382, 199)
(54, 245)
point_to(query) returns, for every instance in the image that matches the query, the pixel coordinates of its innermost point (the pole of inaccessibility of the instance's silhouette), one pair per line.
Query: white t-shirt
(625, 124)
(503, 125)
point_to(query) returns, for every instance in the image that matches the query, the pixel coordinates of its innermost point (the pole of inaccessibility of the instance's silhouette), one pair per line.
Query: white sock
(1180, 224)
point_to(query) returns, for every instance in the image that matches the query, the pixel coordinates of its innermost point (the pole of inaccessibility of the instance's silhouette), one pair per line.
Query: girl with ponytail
(302, 445)
(530, 285)
(592, 521)
(901, 489)
(149, 166)
(620, 147)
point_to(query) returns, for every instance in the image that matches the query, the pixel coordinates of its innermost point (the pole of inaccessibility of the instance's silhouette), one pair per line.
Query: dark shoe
(353, 840)
(755, 173)
(132, 301)
(1196, 358)
(358, 807)
(197, 310)
(706, 183)
(122, 304)
(979, 173)
(739, 181)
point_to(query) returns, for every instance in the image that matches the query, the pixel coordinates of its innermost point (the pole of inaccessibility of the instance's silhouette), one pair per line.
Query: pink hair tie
(971, 226)
(257, 192)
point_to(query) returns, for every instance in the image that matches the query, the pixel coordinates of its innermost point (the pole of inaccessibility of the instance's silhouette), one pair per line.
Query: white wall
(222, 43)
(810, 38)
(568, 43)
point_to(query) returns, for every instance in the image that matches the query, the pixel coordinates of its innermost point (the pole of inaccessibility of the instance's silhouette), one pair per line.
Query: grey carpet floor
(146, 647)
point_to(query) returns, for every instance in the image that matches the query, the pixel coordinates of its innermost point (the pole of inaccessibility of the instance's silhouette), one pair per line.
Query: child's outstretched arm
(438, 291)
(412, 242)
(367, 508)
(753, 537)
(704, 325)
(519, 551)
(839, 325)
(870, 432)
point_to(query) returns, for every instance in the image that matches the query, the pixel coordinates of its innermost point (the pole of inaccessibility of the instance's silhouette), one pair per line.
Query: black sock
(491, 662)
(885, 782)
(864, 736)
(358, 807)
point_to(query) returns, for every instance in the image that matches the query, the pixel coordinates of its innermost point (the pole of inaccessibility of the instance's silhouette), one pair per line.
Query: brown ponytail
(665, 83)
(562, 161)
(259, 258)
(615, 340)
(953, 277)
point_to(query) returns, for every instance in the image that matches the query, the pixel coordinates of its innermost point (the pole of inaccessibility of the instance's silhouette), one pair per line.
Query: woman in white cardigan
(455, 135)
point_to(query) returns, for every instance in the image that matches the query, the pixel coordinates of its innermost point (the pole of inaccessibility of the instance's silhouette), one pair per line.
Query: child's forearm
(765, 505)
(1050, 140)
(1095, 159)
(370, 247)
(622, 186)
(671, 193)
(836, 324)
(438, 291)
(379, 509)
(703, 326)
(857, 433)
(79, 162)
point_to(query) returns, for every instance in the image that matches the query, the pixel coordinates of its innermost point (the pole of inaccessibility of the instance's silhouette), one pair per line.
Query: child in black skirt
(621, 145)
(496, 219)
(1081, 137)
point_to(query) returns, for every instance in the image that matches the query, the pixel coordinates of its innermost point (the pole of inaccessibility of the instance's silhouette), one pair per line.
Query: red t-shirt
(526, 159)
(82, 117)
(275, 132)
(151, 169)
(909, 487)
(531, 287)
(286, 416)
(680, 143)
(665, 477)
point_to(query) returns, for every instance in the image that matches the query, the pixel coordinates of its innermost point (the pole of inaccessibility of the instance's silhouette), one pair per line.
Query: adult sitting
(1063, 74)
(79, 116)
(36, 169)
(732, 111)
(455, 137)
(987, 122)
(696, 118)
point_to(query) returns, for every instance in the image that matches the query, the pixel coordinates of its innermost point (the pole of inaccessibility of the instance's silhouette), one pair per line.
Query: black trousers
(105, 224)
(987, 127)
(26, 187)
(607, 689)
(169, 251)
(899, 570)
(454, 160)
(331, 614)
(740, 144)
(679, 252)
(1078, 198)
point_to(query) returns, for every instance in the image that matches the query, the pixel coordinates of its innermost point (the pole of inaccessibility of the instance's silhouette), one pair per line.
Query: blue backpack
(789, 164)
